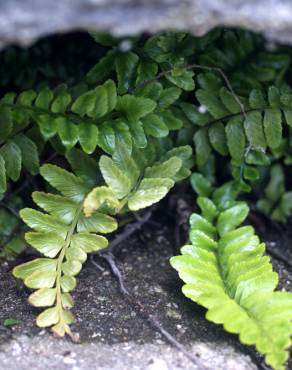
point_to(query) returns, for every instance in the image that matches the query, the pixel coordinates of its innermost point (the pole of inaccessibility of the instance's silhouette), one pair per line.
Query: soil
(112, 333)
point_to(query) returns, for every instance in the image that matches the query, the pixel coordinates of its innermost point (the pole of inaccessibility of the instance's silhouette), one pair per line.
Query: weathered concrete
(23, 21)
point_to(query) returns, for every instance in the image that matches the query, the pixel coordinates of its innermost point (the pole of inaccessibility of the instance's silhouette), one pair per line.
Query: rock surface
(24, 21)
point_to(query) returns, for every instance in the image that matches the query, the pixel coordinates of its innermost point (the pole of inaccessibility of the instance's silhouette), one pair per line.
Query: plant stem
(61, 259)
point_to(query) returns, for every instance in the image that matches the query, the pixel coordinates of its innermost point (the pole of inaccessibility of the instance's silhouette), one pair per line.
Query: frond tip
(225, 270)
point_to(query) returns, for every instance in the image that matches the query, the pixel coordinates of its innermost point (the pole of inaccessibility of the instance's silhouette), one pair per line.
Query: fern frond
(224, 269)
(65, 237)
(72, 220)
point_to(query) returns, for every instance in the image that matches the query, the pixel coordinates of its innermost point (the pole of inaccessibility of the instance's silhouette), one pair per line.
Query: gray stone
(45, 353)
(23, 21)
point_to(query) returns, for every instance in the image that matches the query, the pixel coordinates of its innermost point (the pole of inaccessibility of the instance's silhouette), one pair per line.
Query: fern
(126, 131)
(224, 269)
(65, 234)
(249, 66)
(250, 138)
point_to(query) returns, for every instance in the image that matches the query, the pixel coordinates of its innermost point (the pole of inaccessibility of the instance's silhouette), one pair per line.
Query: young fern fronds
(224, 269)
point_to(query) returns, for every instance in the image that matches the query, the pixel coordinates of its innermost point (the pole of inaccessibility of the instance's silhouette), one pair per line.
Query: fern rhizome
(215, 111)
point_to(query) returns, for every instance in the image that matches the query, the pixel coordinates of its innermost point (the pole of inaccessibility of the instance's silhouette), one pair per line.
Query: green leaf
(146, 71)
(42, 265)
(126, 64)
(44, 99)
(97, 223)
(62, 99)
(276, 186)
(274, 97)
(68, 283)
(75, 253)
(11, 322)
(217, 137)
(29, 153)
(229, 100)
(235, 138)
(71, 267)
(201, 185)
(182, 78)
(124, 160)
(134, 107)
(123, 135)
(288, 116)
(114, 177)
(11, 154)
(67, 131)
(39, 221)
(68, 184)
(3, 185)
(67, 300)
(273, 127)
(106, 138)
(168, 96)
(48, 317)
(44, 297)
(202, 146)
(167, 169)
(97, 197)
(111, 91)
(101, 103)
(193, 114)
(137, 133)
(89, 242)
(26, 98)
(170, 120)
(212, 103)
(47, 243)
(231, 218)
(253, 125)
(84, 166)
(155, 126)
(145, 198)
(88, 137)
(57, 205)
(41, 279)
(256, 99)
(85, 104)
(48, 126)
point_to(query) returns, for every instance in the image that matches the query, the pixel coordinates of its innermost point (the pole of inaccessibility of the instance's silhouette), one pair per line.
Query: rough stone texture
(45, 353)
(23, 21)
